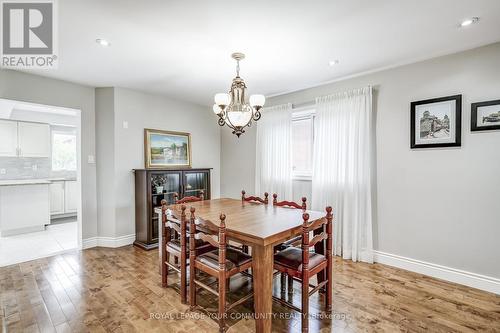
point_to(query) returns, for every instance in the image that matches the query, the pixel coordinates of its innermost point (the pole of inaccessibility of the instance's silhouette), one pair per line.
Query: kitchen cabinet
(8, 138)
(33, 139)
(63, 197)
(70, 196)
(57, 198)
(24, 139)
(24, 207)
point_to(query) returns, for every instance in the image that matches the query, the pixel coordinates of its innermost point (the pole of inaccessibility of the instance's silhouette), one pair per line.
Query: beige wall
(435, 205)
(36, 89)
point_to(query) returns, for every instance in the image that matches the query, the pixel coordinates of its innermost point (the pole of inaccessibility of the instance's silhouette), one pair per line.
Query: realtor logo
(28, 34)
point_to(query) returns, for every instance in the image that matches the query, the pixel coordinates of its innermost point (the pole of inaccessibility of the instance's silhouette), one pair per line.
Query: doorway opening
(40, 181)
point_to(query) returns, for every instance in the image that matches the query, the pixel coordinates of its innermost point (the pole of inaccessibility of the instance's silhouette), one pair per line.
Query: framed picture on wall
(485, 116)
(436, 122)
(164, 149)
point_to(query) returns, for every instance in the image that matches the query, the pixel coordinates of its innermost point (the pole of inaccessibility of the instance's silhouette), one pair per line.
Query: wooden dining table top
(249, 222)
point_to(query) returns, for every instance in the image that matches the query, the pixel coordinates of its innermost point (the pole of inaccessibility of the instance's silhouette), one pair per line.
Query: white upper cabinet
(33, 139)
(8, 138)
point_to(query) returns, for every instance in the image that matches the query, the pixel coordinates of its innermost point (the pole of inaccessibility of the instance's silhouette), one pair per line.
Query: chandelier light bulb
(257, 100)
(217, 109)
(222, 99)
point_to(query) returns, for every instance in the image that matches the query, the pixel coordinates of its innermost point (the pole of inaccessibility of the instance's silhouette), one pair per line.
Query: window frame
(298, 114)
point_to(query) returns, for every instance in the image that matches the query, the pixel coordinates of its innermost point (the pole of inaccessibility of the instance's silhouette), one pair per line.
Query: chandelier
(233, 109)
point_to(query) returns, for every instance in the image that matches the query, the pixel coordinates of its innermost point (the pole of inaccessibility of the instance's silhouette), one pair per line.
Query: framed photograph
(436, 122)
(166, 149)
(485, 116)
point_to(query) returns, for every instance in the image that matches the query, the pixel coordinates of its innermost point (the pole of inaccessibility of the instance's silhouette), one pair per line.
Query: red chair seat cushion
(292, 258)
(234, 258)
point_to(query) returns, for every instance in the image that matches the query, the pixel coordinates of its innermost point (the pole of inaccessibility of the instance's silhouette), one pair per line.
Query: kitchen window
(302, 144)
(63, 150)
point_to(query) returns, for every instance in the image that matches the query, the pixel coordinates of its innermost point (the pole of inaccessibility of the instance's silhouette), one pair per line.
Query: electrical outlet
(3, 171)
(125, 124)
(91, 159)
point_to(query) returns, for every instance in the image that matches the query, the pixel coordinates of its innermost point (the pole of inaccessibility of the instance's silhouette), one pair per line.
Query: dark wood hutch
(153, 185)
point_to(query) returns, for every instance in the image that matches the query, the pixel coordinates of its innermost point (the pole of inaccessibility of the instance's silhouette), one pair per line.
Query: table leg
(262, 270)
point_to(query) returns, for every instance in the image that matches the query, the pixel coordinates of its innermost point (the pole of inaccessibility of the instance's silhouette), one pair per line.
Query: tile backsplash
(24, 168)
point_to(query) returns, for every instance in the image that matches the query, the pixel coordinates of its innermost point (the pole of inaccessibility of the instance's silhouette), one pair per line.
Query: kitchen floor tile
(57, 238)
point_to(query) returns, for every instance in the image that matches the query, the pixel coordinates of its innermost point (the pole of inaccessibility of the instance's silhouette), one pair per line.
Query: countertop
(23, 182)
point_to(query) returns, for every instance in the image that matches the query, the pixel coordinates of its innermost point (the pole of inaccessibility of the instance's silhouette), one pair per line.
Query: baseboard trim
(88, 243)
(108, 241)
(483, 282)
(19, 231)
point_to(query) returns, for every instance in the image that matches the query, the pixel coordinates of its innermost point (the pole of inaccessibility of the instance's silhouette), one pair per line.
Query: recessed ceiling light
(469, 21)
(333, 62)
(102, 42)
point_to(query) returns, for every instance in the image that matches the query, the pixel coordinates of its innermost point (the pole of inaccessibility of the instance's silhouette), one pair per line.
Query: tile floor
(55, 239)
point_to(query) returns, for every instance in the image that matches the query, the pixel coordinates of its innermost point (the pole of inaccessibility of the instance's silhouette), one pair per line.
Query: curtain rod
(313, 102)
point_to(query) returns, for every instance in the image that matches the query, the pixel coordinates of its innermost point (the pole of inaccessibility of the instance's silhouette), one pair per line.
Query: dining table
(261, 227)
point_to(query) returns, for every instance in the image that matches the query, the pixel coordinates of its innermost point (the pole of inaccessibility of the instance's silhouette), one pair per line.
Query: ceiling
(182, 49)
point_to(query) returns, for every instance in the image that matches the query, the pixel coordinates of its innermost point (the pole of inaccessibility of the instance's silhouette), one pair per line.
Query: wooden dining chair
(302, 264)
(222, 263)
(254, 198)
(290, 204)
(178, 248)
(295, 241)
(188, 199)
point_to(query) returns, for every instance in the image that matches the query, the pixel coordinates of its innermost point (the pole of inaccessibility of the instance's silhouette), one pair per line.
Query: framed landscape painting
(485, 116)
(167, 149)
(436, 122)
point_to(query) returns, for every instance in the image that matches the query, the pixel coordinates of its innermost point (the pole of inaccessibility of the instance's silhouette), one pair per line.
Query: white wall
(142, 111)
(36, 89)
(437, 205)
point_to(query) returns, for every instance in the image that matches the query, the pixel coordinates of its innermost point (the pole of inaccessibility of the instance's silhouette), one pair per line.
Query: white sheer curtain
(342, 169)
(273, 169)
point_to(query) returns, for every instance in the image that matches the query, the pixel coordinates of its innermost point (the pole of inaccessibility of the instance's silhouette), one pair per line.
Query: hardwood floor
(119, 290)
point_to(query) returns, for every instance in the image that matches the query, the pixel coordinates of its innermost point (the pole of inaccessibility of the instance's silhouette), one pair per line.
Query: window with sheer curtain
(302, 144)
(273, 167)
(332, 146)
(342, 169)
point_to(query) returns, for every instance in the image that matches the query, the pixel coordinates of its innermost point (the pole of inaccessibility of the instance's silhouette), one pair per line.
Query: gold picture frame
(166, 149)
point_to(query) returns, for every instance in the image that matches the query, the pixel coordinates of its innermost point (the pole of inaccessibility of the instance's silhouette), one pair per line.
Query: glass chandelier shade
(233, 109)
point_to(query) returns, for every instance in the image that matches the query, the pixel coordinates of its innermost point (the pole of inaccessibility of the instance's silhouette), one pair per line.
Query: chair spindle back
(188, 199)
(290, 204)
(254, 198)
